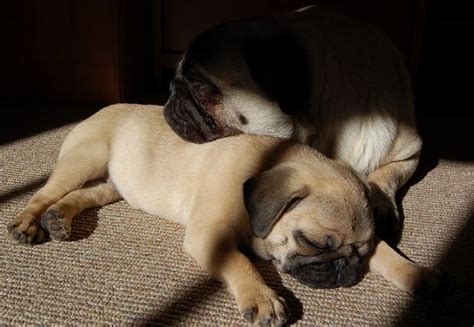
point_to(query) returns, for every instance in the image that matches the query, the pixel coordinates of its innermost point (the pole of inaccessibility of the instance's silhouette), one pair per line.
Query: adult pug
(316, 76)
(308, 214)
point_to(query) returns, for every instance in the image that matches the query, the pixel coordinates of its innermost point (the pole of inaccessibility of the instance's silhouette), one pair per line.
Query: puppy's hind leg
(79, 162)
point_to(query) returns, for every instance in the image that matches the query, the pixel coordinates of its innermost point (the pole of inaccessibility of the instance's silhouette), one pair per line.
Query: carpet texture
(125, 267)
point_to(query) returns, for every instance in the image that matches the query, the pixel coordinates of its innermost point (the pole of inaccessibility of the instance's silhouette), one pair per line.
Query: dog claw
(249, 314)
(267, 309)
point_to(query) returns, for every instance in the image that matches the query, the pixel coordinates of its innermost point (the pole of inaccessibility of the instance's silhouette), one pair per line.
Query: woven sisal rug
(125, 267)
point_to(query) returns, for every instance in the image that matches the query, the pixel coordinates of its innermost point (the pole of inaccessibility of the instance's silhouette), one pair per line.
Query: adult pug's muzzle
(189, 120)
(188, 124)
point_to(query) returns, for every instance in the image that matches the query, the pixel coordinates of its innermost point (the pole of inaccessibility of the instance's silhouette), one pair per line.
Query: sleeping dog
(308, 214)
(317, 76)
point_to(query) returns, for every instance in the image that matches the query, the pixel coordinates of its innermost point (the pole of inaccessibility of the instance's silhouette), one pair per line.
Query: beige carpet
(125, 267)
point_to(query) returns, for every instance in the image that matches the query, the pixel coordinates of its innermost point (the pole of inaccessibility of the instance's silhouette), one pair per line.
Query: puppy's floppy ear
(269, 195)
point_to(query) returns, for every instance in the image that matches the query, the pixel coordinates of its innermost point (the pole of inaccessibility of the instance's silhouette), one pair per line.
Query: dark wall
(445, 85)
(446, 71)
(87, 51)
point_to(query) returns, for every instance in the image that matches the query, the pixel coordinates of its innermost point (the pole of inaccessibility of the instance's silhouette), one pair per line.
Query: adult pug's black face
(254, 57)
(192, 108)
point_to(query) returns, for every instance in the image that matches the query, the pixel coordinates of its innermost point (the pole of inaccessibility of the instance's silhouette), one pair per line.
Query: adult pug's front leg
(385, 181)
(404, 274)
(214, 248)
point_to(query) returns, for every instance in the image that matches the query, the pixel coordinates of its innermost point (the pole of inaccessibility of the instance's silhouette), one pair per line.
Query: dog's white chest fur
(362, 141)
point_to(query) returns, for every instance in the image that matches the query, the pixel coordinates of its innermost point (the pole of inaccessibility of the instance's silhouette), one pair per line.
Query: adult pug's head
(312, 219)
(241, 77)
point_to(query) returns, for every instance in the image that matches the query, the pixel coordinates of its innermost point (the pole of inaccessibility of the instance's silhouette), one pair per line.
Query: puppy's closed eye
(279, 242)
(304, 241)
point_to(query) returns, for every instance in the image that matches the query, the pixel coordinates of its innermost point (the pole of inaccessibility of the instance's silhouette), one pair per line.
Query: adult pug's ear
(269, 195)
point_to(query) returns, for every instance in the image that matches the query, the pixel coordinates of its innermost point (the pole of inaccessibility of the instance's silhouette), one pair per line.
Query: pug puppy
(317, 76)
(309, 214)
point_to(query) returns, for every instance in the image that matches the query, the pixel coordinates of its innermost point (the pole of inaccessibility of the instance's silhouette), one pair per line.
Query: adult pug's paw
(425, 281)
(387, 221)
(26, 229)
(262, 306)
(387, 218)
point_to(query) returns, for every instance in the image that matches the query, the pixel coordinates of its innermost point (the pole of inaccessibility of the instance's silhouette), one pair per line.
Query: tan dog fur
(129, 151)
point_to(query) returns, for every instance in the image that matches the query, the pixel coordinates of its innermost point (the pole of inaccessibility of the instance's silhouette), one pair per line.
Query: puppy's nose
(348, 277)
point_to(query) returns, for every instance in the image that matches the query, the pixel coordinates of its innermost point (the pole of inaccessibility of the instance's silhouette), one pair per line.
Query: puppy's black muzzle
(332, 274)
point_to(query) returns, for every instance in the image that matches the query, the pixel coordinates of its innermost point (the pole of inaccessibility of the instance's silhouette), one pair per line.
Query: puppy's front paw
(263, 307)
(25, 229)
(58, 227)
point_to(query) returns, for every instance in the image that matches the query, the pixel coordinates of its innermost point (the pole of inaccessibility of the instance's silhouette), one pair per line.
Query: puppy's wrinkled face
(323, 234)
(323, 241)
